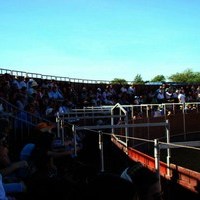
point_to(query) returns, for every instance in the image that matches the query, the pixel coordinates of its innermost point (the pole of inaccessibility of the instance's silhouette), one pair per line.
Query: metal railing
(51, 77)
(22, 122)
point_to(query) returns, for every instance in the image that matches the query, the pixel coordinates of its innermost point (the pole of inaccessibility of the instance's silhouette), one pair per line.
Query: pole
(101, 150)
(168, 149)
(75, 142)
(62, 131)
(58, 125)
(157, 158)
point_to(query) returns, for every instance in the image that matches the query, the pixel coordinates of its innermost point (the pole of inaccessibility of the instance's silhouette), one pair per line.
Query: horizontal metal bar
(121, 126)
(93, 117)
(176, 144)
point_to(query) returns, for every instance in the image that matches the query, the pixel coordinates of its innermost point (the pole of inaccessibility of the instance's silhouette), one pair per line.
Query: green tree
(158, 78)
(188, 76)
(119, 81)
(138, 79)
(197, 77)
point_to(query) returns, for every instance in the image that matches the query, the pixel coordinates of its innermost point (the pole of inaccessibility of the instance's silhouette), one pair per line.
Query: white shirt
(2, 191)
(181, 98)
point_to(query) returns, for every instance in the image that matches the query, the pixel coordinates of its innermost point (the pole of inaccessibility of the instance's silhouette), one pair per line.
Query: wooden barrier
(185, 177)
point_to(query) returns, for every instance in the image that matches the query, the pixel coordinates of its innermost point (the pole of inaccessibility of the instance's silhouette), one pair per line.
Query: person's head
(4, 125)
(145, 181)
(45, 127)
(4, 130)
(43, 135)
(108, 185)
(3, 140)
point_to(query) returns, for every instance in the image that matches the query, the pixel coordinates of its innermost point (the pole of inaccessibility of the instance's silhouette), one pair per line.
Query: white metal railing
(112, 127)
(89, 113)
(125, 137)
(50, 77)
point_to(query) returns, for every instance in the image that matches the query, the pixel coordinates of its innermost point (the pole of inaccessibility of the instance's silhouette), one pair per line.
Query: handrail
(77, 80)
(51, 77)
(10, 107)
(22, 127)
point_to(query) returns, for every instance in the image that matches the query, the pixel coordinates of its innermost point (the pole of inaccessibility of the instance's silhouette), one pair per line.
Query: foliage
(119, 81)
(138, 79)
(188, 76)
(158, 78)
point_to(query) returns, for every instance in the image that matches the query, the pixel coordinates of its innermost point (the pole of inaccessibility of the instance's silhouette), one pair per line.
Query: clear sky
(100, 39)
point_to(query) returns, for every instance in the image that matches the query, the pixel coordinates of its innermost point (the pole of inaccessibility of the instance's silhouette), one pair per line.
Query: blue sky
(100, 39)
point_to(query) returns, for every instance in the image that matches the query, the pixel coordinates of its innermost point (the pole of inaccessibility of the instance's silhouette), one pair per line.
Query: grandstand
(131, 127)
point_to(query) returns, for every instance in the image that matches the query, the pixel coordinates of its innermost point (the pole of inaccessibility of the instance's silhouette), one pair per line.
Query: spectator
(3, 195)
(13, 172)
(181, 96)
(55, 93)
(146, 182)
(160, 95)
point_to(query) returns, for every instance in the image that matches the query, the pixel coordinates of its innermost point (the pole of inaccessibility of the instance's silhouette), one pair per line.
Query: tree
(119, 81)
(138, 79)
(158, 78)
(188, 76)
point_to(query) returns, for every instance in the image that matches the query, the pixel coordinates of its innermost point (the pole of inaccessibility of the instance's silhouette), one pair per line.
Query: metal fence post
(168, 148)
(75, 142)
(101, 150)
(157, 157)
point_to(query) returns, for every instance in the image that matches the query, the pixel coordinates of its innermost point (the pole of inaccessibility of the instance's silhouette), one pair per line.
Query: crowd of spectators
(45, 98)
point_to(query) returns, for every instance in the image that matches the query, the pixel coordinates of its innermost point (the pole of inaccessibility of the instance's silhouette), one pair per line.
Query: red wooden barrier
(183, 176)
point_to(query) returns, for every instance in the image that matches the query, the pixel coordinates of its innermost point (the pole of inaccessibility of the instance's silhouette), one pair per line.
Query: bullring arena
(106, 128)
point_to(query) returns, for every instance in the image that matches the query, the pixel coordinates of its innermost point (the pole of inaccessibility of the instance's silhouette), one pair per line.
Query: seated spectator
(3, 195)
(157, 112)
(108, 185)
(13, 172)
(7, 167)
(32, 85)
(10, 170)
(181, 96)
(145, 182)
(55, 93)
(160, 96)
(45, 153)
